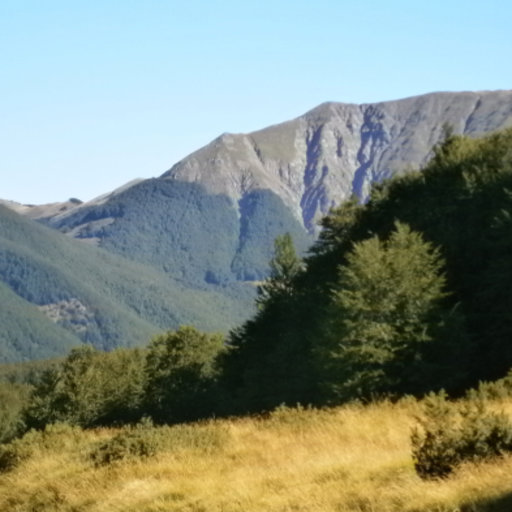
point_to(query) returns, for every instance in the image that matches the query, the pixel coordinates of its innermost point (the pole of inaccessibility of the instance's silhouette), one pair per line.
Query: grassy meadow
(352, 458)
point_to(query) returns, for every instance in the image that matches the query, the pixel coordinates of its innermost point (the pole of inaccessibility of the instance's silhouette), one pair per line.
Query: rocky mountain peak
(335, 150)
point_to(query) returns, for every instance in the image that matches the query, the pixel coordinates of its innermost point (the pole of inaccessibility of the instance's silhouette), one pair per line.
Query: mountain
(335, 150)
(213, 216)
(179, 228)
(189, 245)
(57, 292)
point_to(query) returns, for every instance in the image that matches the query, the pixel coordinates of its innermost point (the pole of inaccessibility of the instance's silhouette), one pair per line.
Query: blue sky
(96, 93)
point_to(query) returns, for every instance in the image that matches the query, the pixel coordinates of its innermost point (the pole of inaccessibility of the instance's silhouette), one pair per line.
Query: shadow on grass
(500, 504)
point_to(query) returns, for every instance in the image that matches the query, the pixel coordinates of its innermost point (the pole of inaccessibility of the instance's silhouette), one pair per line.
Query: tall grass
(354, 458)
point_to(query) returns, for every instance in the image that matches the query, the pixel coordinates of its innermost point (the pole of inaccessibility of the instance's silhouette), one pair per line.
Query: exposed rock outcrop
(321, 158)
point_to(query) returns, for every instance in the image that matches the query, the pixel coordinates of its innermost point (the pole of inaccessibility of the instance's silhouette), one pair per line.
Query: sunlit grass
(353, 458)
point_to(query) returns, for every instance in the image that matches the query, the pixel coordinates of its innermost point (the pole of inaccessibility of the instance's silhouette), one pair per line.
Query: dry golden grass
(352, 458)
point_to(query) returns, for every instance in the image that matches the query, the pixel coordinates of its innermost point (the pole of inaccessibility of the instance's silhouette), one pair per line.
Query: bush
(13, 398)
(53, 437)
(499, 389)
(204, 437)
(453, 433)
(11, 456)
(145, 440)
(141, 441)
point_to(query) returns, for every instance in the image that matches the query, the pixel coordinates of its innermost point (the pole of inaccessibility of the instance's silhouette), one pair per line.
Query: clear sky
(95, 93)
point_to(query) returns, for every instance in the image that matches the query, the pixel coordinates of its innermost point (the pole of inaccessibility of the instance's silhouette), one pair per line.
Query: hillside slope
(27, 334)
(181, 229)
(350, 459)
(59, 292)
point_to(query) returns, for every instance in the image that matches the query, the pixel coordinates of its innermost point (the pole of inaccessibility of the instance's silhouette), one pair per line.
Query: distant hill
(57, 292)
(192, 235)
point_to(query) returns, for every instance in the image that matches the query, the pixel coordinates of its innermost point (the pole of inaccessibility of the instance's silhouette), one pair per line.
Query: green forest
(406, 294)
(159, 255)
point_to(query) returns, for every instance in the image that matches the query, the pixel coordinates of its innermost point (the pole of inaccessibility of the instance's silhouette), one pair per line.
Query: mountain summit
(335, 150)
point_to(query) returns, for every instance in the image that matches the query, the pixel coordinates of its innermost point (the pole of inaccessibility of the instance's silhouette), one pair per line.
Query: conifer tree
(284, 266)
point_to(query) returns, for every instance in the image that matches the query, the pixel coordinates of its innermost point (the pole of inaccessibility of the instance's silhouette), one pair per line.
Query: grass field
(353, 458)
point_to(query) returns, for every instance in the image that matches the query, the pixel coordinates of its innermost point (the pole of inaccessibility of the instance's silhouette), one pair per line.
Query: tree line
(406, 294)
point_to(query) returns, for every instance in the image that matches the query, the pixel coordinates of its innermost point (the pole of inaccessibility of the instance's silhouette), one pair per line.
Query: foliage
(452, 433)
(337, 227)
(56, 436)
(390, 321)
(265, 366)
(135, 442)
(499, 389)
(13, 398)
(385, 317)
(372, 310)
(181, 373)
(27, 372)
(284, 267)
(89, 388)
(146, 440)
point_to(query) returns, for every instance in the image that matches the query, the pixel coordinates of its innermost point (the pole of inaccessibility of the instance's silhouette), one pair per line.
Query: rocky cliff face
(323, 157)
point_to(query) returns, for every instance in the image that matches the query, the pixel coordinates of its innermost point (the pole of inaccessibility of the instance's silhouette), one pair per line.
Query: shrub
(434, 447)
(53, 437)
(181, 375)
(141, 441)
(145, 440)
(499, 389)
(452, 433)
(12, 400)
(11, 455)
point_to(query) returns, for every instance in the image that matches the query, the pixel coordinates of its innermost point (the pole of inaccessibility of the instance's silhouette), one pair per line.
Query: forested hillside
(57, 292)
(191, 246)
(407, 293)
(179, 228)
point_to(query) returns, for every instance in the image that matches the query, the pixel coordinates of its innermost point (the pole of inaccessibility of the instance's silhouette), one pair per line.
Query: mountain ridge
(319, 159)
(322, 157)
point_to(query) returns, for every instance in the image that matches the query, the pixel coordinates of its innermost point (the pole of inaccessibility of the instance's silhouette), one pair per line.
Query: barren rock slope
(321, 158)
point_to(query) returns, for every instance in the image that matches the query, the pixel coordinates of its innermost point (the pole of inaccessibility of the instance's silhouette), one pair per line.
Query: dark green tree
(387, 315)
(268, 363)
(181, 375)
(89, 388)
(284, 266)
(13, 398)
